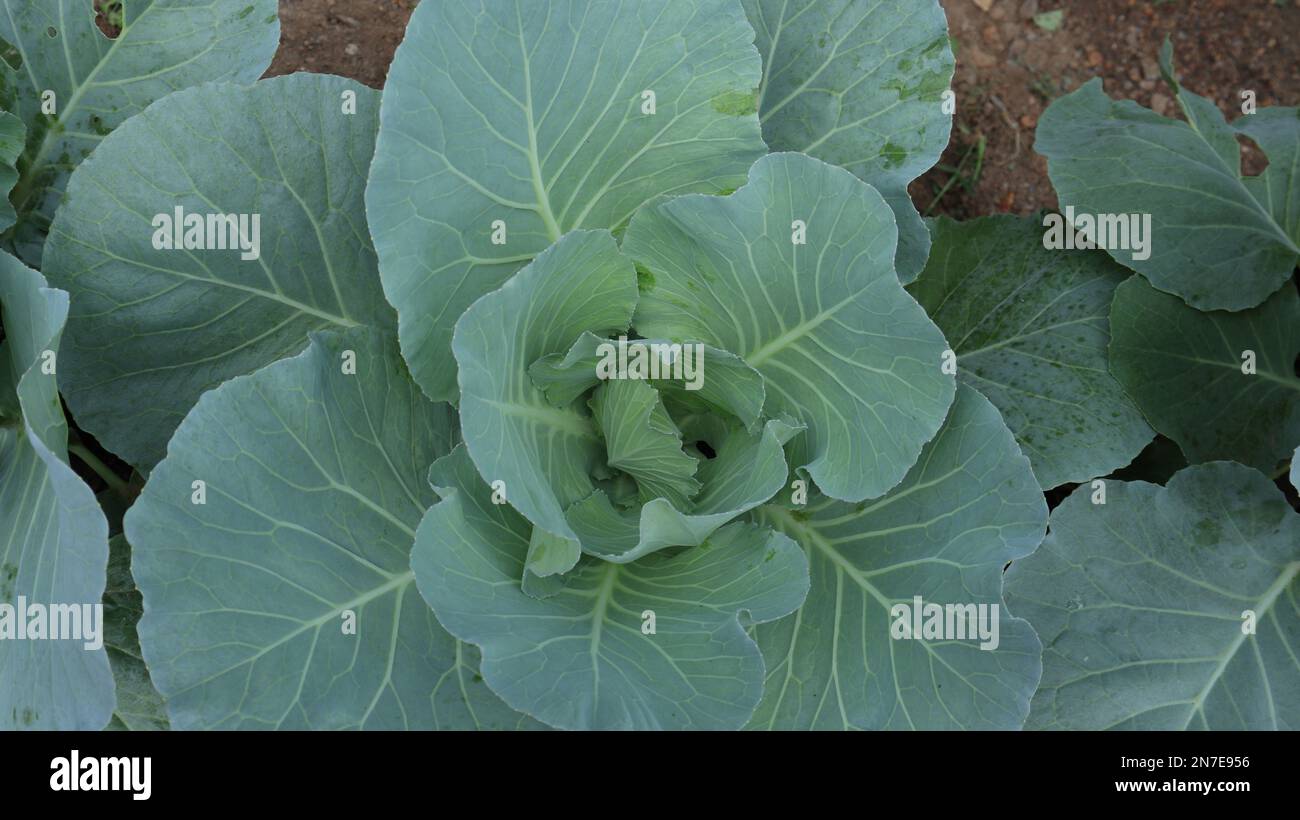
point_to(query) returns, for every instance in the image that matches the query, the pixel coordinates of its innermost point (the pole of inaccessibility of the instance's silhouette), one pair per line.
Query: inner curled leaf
(642, 440)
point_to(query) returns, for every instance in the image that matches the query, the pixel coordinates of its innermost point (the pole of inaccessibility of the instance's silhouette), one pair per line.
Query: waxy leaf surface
(314, 483)
(1167, 607)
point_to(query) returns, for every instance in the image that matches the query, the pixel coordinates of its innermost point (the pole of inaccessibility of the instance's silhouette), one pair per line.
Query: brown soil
(353, 38)
(1008, 70)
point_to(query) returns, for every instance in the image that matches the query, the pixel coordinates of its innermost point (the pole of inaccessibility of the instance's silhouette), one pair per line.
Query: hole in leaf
(706, 449)
(109, 17)
(1253, 159)
(51, 32)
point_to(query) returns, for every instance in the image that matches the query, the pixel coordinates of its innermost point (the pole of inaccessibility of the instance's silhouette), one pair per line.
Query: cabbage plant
(599, 373)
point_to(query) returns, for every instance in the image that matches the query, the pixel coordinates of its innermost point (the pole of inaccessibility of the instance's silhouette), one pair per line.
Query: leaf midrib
(762, 353)
(603, 596)
(287, 301)
(558, 419)
(1262, 608)
(1268, 375)
(804, 533)
(534, 165)
(394, 582)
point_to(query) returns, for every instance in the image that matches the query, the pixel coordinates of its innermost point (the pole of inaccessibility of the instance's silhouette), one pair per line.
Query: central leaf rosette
(582, 509)
(684, 453)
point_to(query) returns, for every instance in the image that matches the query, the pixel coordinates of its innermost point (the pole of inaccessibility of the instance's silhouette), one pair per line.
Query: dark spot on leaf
(736, 103)
(12, 56)
(8, 572)
(645, 280)
(935, 46)
(928, 85)
(1207, 532)
(893, 155)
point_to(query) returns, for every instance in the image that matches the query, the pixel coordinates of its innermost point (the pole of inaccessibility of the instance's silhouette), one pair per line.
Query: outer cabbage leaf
(1142, 606)
(151, 329)
(1219, 240)
(314, 487)
(139, 706)
(97, 82)
(1030, 328)
(859, 84)
(970, 505)
(581, 658)
(13, 136)
(54, 538)
(841, 346)
(543, 454)
(1185, 370)
(534, 114)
